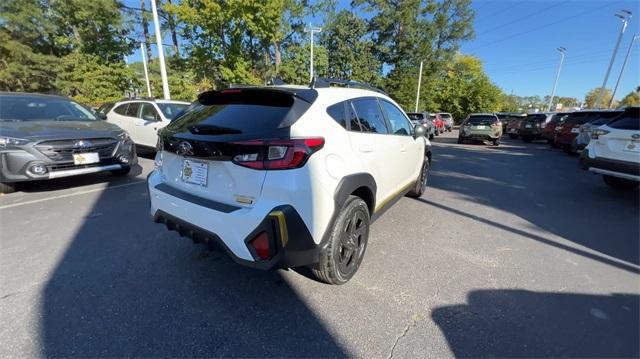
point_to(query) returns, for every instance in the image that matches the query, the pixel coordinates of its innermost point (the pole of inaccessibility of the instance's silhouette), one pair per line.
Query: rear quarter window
(337, 113)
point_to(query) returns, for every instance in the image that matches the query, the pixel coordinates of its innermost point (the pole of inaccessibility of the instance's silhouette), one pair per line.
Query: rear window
(606, 117)
(246, 112)
(537, 117)
(415, 116)
(580, 118)
(445, 115)
(482, 120)
(629, 120)
(172, 110)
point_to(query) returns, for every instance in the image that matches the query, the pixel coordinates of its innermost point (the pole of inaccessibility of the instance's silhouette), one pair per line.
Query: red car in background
(549, 131)
(568, 130)
(438, 122)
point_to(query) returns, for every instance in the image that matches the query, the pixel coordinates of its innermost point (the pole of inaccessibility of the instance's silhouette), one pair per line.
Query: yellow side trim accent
(393, 196)
(282, 225)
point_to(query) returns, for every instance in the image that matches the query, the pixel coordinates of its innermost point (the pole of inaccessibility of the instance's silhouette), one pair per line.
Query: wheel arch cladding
(358, 184)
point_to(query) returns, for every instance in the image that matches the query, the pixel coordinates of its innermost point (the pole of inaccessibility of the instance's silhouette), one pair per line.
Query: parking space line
(70, 195)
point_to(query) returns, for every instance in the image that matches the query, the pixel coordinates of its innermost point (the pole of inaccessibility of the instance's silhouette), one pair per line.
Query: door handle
(366, 148)
(403, 149)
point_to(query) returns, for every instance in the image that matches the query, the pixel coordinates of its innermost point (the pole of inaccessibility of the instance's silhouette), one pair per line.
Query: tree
(592, 96)
(295, 63)
(631, 99)
(350, 53)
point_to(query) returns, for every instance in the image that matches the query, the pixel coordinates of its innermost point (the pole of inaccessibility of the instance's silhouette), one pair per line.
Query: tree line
(78, 48)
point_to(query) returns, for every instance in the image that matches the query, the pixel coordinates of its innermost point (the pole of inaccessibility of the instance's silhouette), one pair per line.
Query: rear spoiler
(307, 95)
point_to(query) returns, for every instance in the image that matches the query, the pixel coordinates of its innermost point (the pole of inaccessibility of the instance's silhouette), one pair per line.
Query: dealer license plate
(480, 127)
(575, 130)
(85, 158)
(195, 172)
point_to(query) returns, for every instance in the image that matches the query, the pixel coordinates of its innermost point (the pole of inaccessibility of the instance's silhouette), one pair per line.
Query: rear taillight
(596, 133)
(277, 154)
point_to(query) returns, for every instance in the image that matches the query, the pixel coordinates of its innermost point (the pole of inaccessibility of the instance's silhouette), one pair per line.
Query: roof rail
(130, 98)
(324, 82)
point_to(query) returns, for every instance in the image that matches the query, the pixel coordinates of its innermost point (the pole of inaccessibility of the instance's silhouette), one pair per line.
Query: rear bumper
(565, 138)
(605, 166)
(479, 136)
(232, 228)
(530, 132)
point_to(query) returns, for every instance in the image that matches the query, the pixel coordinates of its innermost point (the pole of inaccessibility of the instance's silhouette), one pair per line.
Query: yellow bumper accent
(282, 226)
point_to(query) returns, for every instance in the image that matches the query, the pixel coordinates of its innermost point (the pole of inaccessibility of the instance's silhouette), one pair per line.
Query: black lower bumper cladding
(629, 168)
(298, 248)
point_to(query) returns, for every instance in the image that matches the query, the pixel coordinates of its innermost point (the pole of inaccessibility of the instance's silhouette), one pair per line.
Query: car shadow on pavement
(125, 286)
(521, 323)
(548, 190)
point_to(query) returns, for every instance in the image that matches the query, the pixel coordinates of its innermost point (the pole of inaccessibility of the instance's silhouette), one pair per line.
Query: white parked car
(614, 150)
(142, 118)
(285, 176)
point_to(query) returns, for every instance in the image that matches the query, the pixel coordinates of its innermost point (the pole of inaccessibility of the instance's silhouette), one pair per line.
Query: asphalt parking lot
(512, 251)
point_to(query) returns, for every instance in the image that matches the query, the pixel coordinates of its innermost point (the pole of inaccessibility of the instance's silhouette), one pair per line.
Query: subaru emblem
(82, 144)
(185, 149)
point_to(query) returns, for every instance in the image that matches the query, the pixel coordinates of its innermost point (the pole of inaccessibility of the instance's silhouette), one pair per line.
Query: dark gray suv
(44, 137)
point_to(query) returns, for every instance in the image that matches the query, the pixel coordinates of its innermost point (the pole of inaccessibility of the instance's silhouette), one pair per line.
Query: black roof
(30, 94)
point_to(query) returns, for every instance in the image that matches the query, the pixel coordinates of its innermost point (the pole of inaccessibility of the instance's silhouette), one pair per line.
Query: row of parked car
(434, 123)
(608, 141)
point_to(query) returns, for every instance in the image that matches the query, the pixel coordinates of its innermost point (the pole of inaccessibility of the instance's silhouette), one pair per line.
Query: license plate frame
(195, 172)
(86, 158)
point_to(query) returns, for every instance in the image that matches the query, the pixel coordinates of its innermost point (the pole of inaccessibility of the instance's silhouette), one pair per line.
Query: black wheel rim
(352, 243)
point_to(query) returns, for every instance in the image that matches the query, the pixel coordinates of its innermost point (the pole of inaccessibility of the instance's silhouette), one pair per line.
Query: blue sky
(517, 41)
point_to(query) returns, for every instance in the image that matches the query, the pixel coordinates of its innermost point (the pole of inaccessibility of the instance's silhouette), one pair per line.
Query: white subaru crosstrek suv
(284, 176)
(142, 118)
(614, 150)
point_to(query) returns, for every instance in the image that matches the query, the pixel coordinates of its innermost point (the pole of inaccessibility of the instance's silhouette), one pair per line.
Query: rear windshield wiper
(212, 130)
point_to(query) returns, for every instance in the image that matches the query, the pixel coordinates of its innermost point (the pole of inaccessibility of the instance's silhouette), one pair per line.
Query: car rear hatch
(533, 121)
(619, 139)
(217, 149)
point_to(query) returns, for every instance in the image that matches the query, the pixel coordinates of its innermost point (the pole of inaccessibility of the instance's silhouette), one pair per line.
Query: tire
(345, 249)
(512, 136)
(568, 149)
(460, 140)
(431, 136)
(527, 139)
(423, 178)
(121, 172)
(620, 183)
(437, 133)
(496, 142)
(7, 187)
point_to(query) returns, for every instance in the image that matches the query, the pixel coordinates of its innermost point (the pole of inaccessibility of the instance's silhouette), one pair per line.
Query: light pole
(311, 30)
(163, 68)
(624, 15)
(624, 65)
(146, 72)
(555, 84)
(418, 92)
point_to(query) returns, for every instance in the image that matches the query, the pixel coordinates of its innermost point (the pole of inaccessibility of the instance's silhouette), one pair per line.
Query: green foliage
(592, 96)
(295, 65)
(631, 99)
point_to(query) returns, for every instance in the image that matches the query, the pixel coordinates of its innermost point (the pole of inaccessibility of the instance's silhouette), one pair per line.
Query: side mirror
(101, 116)
(420, 131)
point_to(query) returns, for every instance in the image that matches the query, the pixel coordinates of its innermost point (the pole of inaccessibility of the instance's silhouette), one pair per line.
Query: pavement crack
(412, 323)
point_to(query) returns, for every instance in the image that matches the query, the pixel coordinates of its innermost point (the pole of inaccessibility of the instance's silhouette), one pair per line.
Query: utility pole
(418, 92)
(624, 15)
(624, 65)
(555, 84)
(311, 30)
(146, 72)
(163, 68)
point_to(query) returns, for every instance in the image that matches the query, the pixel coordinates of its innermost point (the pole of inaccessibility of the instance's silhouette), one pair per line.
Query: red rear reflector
(261, 245)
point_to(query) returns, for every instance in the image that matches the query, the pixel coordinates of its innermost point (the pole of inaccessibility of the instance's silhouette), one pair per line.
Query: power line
(569, 56)
(523, 17)
(503, 10)
(542, 26)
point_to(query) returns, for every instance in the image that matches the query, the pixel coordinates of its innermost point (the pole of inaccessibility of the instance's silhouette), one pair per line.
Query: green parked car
(481, 127)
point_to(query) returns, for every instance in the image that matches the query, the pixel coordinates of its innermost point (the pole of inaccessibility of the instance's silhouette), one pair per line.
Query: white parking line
(70, 195)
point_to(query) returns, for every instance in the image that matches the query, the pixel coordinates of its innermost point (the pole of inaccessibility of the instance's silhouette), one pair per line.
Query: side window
(399, 124)
(370, 115)
(149, 112)
(630, 120)
(132, 110)
(337, 113)
(121, 110)
(354, 123)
